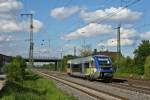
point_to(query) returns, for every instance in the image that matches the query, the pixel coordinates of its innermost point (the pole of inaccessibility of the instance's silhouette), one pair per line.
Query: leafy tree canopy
(142, 52)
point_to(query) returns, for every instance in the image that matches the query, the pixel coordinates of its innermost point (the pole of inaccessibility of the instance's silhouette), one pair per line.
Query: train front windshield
(104, 61)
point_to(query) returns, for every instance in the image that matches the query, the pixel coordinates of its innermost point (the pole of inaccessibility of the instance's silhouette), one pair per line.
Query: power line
(124, 7)
(140, 26)
(108, 15)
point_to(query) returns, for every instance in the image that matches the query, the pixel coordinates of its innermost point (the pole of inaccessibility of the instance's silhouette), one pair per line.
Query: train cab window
(86, 65)
(104, 61)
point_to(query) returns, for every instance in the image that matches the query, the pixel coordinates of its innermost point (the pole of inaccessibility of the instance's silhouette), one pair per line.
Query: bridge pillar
(56, 63)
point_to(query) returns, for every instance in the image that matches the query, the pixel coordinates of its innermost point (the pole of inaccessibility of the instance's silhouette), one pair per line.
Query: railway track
(96, 94)
(132, 87)
(125, 85)
(119, 90)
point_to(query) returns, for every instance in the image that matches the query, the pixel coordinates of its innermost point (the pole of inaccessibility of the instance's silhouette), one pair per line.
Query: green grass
(34, 87)
(130, 75)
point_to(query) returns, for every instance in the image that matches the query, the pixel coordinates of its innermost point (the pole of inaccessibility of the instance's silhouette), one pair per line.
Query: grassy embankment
(34, 87)
(133, 73)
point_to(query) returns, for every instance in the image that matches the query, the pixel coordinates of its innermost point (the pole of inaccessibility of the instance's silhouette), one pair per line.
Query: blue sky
(67, 23)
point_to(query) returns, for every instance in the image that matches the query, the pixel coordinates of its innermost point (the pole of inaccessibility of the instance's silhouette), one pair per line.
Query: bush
(15, 70)
(34, 87)
(147, 67)
(49, 66)
(127, 65)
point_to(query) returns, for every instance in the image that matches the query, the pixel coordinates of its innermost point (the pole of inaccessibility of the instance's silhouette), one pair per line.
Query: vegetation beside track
(137, 67)
(25, 85)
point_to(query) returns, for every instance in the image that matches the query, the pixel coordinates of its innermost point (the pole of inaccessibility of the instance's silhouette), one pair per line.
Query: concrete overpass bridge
(6, 59)
(45, 59)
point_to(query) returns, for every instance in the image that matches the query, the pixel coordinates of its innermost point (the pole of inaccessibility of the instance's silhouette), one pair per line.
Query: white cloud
(8, 8)
(128, 33)
(6, 38)
(25, 26)
(9, 26)
(10, 5)
(127, 38)
(113, 42)
(92, 29)
(14, 26)
(8, 22)
(37, 25)
(145, 36)
(64, 12)
(112, 14)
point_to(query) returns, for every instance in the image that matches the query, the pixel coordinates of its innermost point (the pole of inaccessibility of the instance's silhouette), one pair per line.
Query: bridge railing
(42, 57)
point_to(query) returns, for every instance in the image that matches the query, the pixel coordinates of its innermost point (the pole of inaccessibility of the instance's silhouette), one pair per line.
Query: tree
(86, 51)
(129, 62)
(140, 55)
(142, 52)
(15, 70)
(147, 67)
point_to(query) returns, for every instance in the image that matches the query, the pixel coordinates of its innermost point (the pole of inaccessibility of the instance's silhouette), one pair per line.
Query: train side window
(76, 65)
(86, 65)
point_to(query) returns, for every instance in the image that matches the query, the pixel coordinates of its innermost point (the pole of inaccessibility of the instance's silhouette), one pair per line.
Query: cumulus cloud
(25, 26)
(113, 42)
(6, 38)
(92, 29)
(14, 26)
(10, 5)
(8, 22)
(145, 36)
(112, 14)
(127, 36)
(8, 8)
(64, 12)
(9, 26)
(128, 33)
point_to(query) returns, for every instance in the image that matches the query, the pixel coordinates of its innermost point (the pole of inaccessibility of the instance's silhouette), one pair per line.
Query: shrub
(15, 70)
(127, 65)
(147, 67)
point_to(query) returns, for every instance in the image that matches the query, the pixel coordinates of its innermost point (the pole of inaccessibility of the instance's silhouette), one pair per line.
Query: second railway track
(98, 95)
(111, 89)
(126, 85)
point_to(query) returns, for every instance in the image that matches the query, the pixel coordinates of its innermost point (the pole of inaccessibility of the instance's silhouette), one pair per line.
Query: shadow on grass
(31, 77)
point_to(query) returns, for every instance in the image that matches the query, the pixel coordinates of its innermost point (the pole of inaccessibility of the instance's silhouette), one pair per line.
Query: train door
(82, 68)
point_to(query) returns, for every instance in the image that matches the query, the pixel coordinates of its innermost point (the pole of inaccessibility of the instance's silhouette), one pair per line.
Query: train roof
(79, 60)
(84, 59)
(101, 56)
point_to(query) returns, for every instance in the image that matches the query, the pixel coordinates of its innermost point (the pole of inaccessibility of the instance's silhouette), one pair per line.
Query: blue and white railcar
(91, 67)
